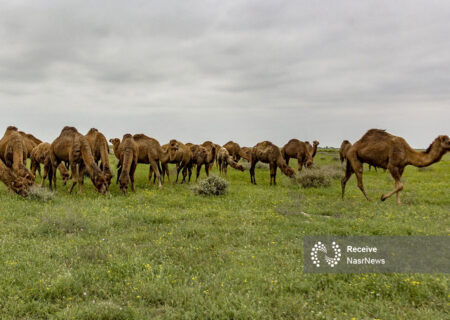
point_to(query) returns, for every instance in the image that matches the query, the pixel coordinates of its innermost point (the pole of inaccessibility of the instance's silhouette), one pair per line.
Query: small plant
(319, 176)
(40, 194)
(211, 186)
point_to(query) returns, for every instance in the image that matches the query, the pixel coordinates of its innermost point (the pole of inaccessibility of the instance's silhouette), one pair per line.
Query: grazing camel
(246, 153)
(224, 159)
(345, 146)
(38, 156)
(30, 142)
(267, 152)
(211, 147)
(13, 152)
(15, 183)
(299, 150)
(150, 152)
(381, 149)
(128, 158)
(100, 152)
(179, 154)
(73, 147)
(312, 148)
(233, 149)
(200, 157)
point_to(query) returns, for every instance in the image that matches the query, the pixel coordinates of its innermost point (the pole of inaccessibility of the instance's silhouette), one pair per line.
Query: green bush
(317, 177)
(211, 186)
(40, 194)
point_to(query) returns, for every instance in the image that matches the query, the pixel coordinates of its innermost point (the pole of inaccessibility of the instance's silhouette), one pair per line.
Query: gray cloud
(220, 70)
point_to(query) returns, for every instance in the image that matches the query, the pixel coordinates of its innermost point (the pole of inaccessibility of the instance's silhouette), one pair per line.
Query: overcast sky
(220, 70)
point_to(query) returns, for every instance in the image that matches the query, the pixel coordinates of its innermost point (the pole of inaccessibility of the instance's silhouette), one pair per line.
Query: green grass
(172, 254)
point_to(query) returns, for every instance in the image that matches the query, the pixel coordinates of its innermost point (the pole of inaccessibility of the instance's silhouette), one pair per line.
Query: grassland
(169, 254)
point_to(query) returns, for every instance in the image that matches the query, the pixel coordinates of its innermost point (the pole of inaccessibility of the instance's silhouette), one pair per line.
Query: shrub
(41, 194)
(213, 185)
(319, 176)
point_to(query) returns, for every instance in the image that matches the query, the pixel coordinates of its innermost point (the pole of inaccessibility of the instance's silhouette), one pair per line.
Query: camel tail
(88, 159)
(105, 158)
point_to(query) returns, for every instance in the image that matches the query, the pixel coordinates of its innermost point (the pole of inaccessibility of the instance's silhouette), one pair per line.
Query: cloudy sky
(220, 70)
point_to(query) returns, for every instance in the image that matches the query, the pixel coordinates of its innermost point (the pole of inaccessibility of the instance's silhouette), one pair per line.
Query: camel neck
(426, 158)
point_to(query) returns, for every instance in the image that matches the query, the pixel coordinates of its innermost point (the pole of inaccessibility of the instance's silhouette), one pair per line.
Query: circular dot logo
(320, 247)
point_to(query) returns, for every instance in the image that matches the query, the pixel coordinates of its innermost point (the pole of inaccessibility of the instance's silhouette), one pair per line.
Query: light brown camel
(128, 153)
(246, 153)
(381, 149)
(115, 143)
(150, 152)
(14, 183)
(13, 152)
(312, 148)
(224, 159)
(100, 152)
(233, 149)
(345, 146)
(267, 152)
(200, 157)
(30, 142)
(298, 150)
(211, 147)
(38, 156)
(179, 154)
(73, 147)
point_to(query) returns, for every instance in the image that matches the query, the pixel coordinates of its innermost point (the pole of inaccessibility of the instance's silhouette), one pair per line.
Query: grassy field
(169, 254)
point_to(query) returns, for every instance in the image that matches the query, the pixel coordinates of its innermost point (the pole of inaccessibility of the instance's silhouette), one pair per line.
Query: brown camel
(30, 141)
(200, 157)
(100, 152)
(38, 156)
(15, 183)
(211, 147)
(298, 150)
(181, 155)
(73, 147)
(312, 148)
(345, 146)
(233, 149)
(224, 159)
(246, 153)
(267, 152)
(13, 152)
(128, 158)
(150, 152)
(115, 143)
(381, 149)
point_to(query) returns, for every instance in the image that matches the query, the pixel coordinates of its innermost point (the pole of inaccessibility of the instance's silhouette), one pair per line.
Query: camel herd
(75, 155)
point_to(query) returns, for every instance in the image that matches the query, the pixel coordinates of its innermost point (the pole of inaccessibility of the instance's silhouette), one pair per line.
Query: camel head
(65, 177)
(240, 167)
(115, 142)
(124, 181)
(20, 186)
(173, 148)
(99, 181)
(288, 171)
(315, 143)
(444, 142)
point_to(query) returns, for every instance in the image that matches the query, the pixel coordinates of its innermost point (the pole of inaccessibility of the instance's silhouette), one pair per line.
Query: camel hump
(69, 129)
(92, 130)
(12, 128)
(293, 140)
(127, 136)
(139, 136)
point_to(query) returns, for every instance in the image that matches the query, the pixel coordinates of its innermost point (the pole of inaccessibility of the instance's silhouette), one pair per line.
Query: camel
(345, 146)
(115, 143)
(200, 156)
(211, 147)
(312, 148)
(128, 158)
(179, 154)
(299, 150)
(38, 156)
(14, 183)
(13, 152)
(224, 159)
(233, 149)
(269, 153)
(73, 147)
(100, 152)
(246, 153)
(381, 149)
(150, 152)
(30, 142)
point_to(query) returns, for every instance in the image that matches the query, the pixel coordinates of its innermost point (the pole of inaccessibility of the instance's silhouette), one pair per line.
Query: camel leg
(274, 174)
(132, 171)
(252, 171)
(396, 173)
(150, 174)
(81, 169)
(300, 164)
(207, 169)
(166, 169)
(74, 169)
(119, 172)
(154, 165)
(348, 174)
(199, 167)
(358, 168)
(225, 169)
(190, 173)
